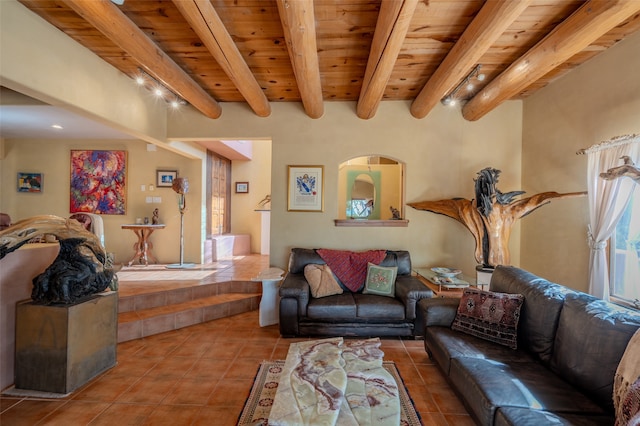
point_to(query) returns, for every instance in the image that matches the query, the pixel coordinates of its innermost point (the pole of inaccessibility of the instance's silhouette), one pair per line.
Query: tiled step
(148, 314)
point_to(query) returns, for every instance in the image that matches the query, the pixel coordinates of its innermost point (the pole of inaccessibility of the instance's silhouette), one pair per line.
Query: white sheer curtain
(607, 201)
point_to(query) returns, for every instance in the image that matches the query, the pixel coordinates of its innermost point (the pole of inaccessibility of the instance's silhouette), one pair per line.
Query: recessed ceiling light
(57, 126)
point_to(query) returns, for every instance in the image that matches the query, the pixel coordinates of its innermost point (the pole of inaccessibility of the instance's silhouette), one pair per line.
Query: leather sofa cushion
(592, 336)
(515, 416)
(353, 306)
(339, 306)
(540, 311)
(445, 344)
(376, 307)
(486, 384)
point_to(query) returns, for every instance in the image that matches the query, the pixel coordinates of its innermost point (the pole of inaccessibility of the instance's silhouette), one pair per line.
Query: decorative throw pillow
(321, 281)
(381, 280)
(490, 316)
(350, 267)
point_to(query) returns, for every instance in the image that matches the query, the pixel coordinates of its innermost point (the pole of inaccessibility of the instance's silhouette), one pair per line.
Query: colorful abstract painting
(30, 182)
(98, 182)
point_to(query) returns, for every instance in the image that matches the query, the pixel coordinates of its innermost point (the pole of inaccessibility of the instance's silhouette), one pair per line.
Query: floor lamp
(181, 187)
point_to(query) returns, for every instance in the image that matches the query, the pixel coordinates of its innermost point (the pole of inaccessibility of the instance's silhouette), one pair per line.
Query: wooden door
(218, 194)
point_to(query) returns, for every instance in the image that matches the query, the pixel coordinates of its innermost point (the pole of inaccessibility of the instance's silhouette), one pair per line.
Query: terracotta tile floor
(201, 375)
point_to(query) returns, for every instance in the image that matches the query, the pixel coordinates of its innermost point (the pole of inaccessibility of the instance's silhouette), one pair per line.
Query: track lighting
(142, 78)
(450, 99)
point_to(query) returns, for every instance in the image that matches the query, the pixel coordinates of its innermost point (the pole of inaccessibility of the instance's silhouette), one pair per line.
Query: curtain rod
(618, 140)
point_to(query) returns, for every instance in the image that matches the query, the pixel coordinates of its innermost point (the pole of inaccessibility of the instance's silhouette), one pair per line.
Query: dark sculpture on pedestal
(491, 215)
(81, 268)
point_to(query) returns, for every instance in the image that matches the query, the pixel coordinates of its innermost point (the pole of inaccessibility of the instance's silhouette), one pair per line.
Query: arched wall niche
(371, 192)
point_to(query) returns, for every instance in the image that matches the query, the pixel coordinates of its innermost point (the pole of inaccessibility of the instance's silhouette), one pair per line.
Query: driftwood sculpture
(491, 215)
(628, 169)
(80, 269)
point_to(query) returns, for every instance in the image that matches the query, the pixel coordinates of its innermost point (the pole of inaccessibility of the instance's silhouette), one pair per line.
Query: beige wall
(51, 157)
(257, 171)
(595, 102)
(442, 152)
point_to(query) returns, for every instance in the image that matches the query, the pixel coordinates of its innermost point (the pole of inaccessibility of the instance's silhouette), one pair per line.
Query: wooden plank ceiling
(262, 51)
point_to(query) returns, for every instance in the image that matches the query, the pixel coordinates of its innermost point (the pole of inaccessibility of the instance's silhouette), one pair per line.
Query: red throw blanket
(351, 267)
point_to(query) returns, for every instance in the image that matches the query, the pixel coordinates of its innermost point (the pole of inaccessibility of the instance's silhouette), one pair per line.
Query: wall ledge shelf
(400, 223)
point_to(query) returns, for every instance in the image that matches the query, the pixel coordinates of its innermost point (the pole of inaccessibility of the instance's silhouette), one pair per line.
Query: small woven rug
(258, 406)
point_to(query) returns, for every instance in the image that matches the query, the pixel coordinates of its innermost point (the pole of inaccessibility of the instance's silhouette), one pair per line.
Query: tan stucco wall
(595, 102)
(257, 171)
(51, 157)
(442, 152)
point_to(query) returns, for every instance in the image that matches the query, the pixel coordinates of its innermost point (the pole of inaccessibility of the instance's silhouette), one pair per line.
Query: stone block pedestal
(60, 348)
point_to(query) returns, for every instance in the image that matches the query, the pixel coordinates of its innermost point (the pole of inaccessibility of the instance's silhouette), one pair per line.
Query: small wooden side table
(143, 246)
(426, 276)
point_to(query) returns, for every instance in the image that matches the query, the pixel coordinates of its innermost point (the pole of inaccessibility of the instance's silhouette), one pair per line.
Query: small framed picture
(30, 182)
(242, 187)
(306, 189)
(164, 178)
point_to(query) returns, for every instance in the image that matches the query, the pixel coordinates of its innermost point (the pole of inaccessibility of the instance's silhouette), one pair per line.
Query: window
(625, 254)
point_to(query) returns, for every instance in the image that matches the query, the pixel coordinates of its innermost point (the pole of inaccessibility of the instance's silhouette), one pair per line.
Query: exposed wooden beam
(489, 24)
(391, 29)
(594, 19)
(204, 20)
(298, 22)
(115, 25)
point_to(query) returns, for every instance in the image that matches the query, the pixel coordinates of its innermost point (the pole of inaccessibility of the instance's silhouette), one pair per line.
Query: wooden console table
(426, 275)
(143, 246)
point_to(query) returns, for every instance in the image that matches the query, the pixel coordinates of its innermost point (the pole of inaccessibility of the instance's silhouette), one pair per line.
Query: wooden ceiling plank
(594, 19)
(206, 23)
(391, 30)
(116, 26)
(298, 22)
(489, 24)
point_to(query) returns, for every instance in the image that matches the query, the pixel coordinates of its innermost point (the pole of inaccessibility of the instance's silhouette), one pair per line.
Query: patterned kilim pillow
(490, 316)
(381, 280)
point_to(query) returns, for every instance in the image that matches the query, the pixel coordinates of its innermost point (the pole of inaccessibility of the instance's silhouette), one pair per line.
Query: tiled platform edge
(148, 314)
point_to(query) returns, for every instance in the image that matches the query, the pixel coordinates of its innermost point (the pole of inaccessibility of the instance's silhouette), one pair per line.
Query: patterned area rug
(256, 409)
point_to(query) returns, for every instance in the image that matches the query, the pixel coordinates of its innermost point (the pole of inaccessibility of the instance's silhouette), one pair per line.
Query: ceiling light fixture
(450, 99)
(142, 78)
(57, 126)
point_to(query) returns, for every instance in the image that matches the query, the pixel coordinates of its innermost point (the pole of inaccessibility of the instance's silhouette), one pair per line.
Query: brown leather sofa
(350, 314)
(569, 346)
